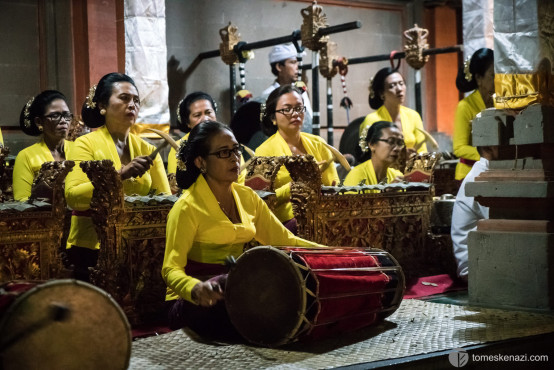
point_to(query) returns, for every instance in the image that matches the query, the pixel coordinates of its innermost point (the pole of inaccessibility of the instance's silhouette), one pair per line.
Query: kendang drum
(279, 295)
(61, 324)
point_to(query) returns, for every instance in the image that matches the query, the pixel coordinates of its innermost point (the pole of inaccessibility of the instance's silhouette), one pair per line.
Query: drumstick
(166, 137)
(338, 156)
(160, 147)
(429, 137)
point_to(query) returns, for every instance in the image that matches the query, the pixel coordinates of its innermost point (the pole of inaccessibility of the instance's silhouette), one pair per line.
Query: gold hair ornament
(91, 104)
(181, 165)
(467, 73)
(363, 139)
(371, 91)
(262, 111)
(27, 113)
(179, 111)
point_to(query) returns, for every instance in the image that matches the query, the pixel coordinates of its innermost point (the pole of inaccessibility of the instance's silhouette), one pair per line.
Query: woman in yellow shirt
(387, 94)
(478, 75)
(282, 122)
(113, 107)
(211, 221)
(379, 148)
(196, 107)
(48, 117)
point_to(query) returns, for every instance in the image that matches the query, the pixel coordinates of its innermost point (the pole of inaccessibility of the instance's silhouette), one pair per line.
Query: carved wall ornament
(313, 20)
(327, 56)
(416, 43)
(229, 38)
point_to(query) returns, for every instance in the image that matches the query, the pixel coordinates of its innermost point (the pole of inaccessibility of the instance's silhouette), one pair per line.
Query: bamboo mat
(417, 327)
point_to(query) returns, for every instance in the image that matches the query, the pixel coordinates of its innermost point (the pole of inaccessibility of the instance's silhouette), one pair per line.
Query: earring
(40, 128)
(274, 123)
(103, 111)
(203, 170)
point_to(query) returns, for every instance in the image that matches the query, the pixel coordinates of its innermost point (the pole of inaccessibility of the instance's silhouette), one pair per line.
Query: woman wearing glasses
(211, 221)
(48, 117)
(380, 146)
(282, 121)
(387, 93)
(112, 107)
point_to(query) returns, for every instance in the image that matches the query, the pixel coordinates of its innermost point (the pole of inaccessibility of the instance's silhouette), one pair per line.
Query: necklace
(225, 211)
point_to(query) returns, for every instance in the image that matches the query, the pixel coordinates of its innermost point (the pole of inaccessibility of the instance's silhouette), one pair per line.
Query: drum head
(265, 296)
(65, 324)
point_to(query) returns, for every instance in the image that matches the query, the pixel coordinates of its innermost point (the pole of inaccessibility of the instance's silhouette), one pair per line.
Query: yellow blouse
(99, 145)
(277, 146)
(27, 164)
(461, 140)
(411, 121)
(1, 138)
(365, 171)
(197, 229)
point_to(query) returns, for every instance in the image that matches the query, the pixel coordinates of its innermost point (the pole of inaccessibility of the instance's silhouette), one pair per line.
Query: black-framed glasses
(56, 117)
(289, 110)
(226, 153)
(399, 143)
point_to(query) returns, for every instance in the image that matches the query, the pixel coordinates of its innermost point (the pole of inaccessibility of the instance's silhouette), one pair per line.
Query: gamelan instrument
(61, 324)
(279, 295)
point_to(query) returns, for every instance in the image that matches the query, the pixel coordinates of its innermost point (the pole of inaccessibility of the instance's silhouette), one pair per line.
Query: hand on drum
(136, 168)
(207, 293)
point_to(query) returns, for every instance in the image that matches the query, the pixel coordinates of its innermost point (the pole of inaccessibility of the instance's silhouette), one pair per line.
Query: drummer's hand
(398, 179)
(207, 293)
(136, 168)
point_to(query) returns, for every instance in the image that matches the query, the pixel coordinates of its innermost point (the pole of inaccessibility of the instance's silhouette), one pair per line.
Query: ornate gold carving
(326, 57)
(131, 230)
(76, 128)
(420, 167)
(5, 176)
(229, 38)
(31, 231)
(314, 19)
(416, 43)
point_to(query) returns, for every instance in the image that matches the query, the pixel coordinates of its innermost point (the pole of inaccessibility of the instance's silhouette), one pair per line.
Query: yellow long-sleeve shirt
(198, 230)
(411, 121)
(365, 171)
(461, 140)
(277, 146)
(1, 138)
(28, 163)
(99, 145)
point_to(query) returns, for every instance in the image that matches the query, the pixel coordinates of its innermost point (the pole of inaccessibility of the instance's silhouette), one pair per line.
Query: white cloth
(282, 52)
(465, 215)
(307, 125)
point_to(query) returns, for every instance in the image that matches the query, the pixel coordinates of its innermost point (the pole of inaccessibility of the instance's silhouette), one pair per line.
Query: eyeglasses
(399, 143)
(226, 153)
(56, 117)
(289, 110)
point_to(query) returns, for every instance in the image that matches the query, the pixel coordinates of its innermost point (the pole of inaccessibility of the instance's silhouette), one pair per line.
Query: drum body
(276, 296)
(61, 324)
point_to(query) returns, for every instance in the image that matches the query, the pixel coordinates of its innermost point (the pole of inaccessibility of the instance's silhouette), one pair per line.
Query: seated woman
(282, 121)
(196, 107)
(48, 117)
(477, 75)
(113, 107)
(387, 94)
(211, 221)
(378, 150)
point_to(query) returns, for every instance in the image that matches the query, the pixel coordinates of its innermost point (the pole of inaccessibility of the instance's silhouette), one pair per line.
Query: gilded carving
(229, 38)
(416, 43)
(313, 20)
(327, 56)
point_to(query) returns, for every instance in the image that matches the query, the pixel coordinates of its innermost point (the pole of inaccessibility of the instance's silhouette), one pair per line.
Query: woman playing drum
(211, 222)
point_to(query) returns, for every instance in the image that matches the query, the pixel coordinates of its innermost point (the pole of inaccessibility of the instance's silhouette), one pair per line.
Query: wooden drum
(61, 324)
(276, 296)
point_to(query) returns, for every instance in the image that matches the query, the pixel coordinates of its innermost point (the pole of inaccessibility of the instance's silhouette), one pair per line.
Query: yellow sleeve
(23, 176)
(1, 138)
(420, 137)
(270, 231)
(330, 175)
(159, 177)
(180, 231)
(78, 188)
(172, 161)
(366, 122)
(461, 140)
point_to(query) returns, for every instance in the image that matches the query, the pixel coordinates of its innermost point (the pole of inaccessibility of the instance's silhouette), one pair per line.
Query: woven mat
(417, 327)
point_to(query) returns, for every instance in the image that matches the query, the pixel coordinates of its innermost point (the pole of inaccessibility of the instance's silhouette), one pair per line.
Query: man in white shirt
(467, 211)
(284, 66)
